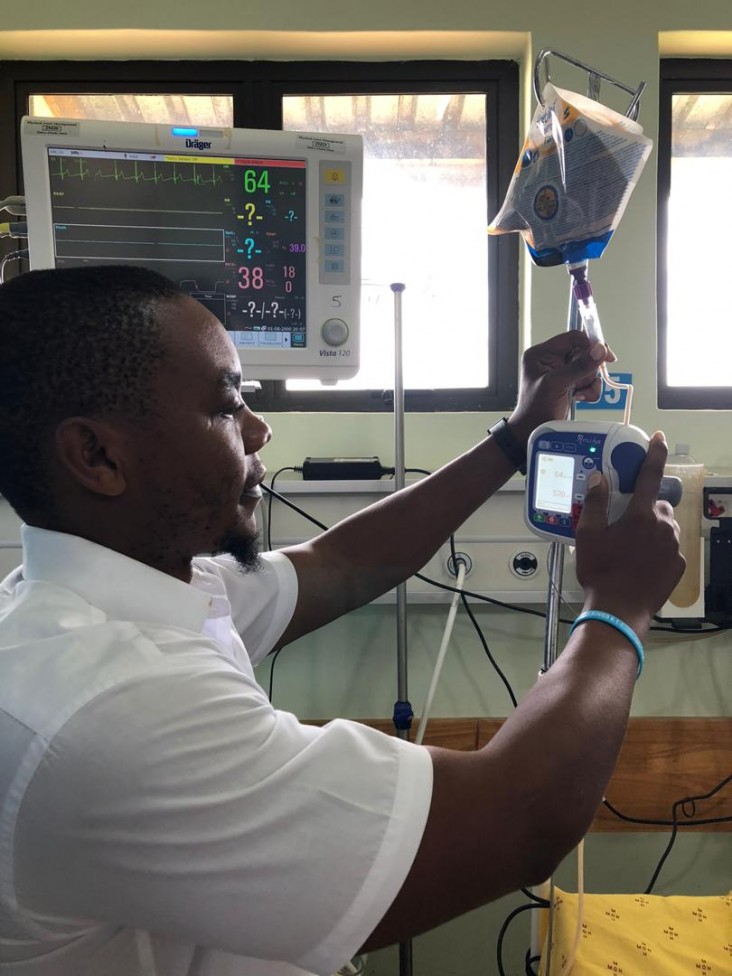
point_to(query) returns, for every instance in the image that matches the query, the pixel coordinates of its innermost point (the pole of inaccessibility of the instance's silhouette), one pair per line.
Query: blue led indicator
(181, 131)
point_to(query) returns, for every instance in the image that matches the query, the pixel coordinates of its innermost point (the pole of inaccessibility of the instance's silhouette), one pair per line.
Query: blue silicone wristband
(618, 624)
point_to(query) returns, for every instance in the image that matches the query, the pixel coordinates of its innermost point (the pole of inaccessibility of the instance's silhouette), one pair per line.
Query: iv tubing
(589, 317)
(441, 655)
(570, 960)
(628, 387)
(580, 906)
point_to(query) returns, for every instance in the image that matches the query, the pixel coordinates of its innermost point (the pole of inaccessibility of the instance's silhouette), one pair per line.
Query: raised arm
(372, 551)
(504, 817)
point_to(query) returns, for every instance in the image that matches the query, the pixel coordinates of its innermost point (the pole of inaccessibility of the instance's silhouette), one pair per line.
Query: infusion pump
(562, 455)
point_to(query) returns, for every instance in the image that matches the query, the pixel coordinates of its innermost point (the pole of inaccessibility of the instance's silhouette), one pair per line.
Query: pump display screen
(554, 480)
(229, 230)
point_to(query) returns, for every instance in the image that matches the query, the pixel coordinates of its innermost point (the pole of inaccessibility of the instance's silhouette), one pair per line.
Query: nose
(255, 431)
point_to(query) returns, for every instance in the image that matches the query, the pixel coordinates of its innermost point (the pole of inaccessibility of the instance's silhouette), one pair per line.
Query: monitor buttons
(334, 332)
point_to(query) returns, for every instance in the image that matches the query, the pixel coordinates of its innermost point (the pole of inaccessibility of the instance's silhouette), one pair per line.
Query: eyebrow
(229, 379)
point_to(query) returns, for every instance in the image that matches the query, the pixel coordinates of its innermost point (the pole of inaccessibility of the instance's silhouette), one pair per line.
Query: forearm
(372, 551)
(567, 733)
(504, 817)
(406, 528)
(383, 545)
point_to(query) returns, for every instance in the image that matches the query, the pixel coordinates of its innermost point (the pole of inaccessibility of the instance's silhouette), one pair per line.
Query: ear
(92, 452)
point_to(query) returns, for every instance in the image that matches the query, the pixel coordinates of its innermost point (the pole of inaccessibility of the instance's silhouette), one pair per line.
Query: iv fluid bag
(578, 166)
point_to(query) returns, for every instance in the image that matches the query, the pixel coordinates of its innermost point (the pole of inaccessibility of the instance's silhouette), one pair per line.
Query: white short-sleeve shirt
(158, 817)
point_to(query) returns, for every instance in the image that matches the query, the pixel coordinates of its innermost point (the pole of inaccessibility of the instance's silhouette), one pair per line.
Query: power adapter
(342, 469)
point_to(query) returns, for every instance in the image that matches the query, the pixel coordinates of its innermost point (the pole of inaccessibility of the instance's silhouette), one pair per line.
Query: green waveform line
(138, 176)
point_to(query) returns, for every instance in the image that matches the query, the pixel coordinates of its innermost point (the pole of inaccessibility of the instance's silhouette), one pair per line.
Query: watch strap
(511, 447)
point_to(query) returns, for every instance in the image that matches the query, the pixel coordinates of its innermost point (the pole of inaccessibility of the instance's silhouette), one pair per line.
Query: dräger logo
(197, 144)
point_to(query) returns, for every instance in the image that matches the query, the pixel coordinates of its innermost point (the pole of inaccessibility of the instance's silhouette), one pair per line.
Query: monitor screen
(554, 481)
(261, 227)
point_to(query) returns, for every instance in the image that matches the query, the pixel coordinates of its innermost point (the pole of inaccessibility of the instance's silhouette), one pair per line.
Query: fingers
(595, 506)
(645, 494)
(567, 346)
(649, 477)
(563, 347)
(590, 393)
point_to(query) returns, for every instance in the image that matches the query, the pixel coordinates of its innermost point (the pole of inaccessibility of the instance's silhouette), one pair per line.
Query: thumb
(584, 366)
(594, 510)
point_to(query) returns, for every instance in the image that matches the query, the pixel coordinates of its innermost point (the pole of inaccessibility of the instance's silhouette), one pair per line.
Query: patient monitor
(262, 227)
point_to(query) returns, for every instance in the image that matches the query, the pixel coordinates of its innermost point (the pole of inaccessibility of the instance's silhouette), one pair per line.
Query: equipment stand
(557, 549)
(403, 713)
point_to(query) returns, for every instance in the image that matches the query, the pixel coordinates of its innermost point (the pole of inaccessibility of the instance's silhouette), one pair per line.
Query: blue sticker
(610, 399)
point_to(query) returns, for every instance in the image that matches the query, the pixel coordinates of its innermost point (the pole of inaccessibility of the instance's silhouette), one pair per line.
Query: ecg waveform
(138, 172)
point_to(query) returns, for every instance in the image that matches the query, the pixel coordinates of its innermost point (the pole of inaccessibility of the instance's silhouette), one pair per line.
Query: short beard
(245, 551)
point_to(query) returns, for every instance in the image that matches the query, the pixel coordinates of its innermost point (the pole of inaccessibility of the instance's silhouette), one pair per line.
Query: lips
(254, 492)
(255, 476)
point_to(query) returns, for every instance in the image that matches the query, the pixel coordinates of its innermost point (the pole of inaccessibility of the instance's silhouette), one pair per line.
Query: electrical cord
(19, 255)
(675, 828)
(14, 229)
(701, 822)
(531, 906)
(14, 205)
(268, 544)
(692, 631)
(529, 961)
(271, 493)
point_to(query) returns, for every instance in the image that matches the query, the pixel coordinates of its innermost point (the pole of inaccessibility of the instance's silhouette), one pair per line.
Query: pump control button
(334, 332)
(627, 459)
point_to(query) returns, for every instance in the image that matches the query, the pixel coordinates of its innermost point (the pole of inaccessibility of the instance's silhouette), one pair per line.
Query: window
(440, 145)
(694, 217)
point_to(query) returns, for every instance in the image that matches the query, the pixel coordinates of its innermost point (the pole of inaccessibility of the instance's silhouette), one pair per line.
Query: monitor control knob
(334, 332)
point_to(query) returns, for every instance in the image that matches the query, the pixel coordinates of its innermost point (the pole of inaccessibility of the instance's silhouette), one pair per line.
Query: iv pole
(557, 549)
(403, 713)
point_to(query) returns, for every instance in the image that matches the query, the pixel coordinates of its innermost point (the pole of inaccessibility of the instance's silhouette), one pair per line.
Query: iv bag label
(610, 398)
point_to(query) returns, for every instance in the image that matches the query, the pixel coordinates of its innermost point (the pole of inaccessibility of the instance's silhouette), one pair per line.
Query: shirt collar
(123, 588)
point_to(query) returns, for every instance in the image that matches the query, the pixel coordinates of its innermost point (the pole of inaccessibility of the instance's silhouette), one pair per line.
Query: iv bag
(577, 169)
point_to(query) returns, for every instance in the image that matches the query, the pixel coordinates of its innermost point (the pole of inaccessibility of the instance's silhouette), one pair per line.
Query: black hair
(73, 342)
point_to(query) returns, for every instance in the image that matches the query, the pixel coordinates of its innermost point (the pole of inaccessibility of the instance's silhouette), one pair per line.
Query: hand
(554, 372)
(630, 568)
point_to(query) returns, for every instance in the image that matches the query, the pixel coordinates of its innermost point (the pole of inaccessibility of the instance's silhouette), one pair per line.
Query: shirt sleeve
(186, 805)
(262, 600)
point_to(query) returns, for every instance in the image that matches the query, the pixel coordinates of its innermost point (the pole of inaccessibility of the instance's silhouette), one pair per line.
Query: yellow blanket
(642, 935)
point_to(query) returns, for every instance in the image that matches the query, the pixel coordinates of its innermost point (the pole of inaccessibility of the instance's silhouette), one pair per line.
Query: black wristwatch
(514, 451)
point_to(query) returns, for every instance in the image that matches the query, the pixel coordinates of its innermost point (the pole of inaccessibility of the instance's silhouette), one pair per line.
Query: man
(157, 815)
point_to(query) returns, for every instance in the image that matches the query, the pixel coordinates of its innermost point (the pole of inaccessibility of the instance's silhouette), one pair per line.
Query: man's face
(197, 471)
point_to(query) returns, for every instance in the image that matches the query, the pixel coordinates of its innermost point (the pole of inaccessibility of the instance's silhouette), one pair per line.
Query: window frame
(257, 89)
(679, 76)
